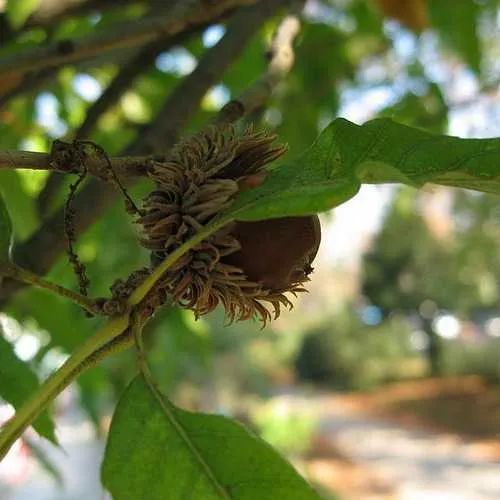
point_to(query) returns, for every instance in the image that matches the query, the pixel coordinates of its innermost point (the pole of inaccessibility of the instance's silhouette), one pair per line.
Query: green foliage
(20, 202)
(287, 430)
(18, 383)
(458, 273)
(457, 23)
(478, 358)
(19, 10)
(343, 353)
(209, 456)
(396, 275)
(428, 111)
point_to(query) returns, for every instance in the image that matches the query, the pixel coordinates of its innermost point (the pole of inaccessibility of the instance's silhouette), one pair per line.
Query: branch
(43, 249)
(126, 35)
(281, 59)
(23, 275)
(126, 76)
(49, 13)
(164, 131)
(184, 101)
(125, 167)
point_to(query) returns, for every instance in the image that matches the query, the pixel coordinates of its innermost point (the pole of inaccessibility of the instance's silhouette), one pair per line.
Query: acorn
(276, 252)
(246, 266)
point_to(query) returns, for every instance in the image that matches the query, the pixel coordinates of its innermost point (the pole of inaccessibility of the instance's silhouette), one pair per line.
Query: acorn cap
(245, 265)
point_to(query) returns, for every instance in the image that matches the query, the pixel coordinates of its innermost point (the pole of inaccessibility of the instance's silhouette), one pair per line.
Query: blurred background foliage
(418, 296)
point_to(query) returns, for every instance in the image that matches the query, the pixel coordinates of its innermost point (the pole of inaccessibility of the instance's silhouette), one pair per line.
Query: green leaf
(314, 182)
(5, 233)
(457, 25)
(18, 383)
(158, 451)
(21, 204)
(426, 111)
(18, 11)
(380, 151)
(63, 320)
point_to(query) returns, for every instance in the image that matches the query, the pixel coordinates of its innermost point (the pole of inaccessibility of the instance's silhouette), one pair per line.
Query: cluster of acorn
(245, 265)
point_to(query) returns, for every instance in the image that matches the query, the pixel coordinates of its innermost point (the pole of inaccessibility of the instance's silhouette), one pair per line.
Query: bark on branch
(125, 167)
(281, 59)
(126, 35)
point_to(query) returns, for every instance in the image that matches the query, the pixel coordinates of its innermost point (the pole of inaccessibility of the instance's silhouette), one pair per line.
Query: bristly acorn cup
(243, 266)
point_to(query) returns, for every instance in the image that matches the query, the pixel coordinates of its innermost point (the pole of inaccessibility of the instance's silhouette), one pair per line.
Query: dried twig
(59, 161)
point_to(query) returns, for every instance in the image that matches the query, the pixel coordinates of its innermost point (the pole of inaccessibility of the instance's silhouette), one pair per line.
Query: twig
(281, 58)
(110, 96)
(125, 167)
(126, 35)
(33, 80)
(23, 275)
(79, 268)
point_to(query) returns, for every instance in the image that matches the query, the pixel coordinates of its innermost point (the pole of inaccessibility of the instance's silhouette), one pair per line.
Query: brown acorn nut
(245, 266)
(276, 252)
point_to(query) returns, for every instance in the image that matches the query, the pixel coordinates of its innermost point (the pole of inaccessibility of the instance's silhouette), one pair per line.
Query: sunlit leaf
(21, 204)
(346, 155)
(158, 451)
(19, 10)
(457, 25)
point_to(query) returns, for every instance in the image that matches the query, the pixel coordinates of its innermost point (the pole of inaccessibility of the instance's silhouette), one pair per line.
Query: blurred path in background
(419, 464)
(78, 462)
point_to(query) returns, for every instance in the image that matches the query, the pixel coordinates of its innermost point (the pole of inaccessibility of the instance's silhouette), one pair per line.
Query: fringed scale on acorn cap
(197, 181)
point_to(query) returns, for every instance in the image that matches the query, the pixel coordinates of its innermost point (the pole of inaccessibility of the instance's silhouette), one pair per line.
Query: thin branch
(27, 277)
(162, 134)
(125, 167)
(143, 60)
(32, 80)
(281, 59)
(43, 249)
(49, 13)
(126, 35)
